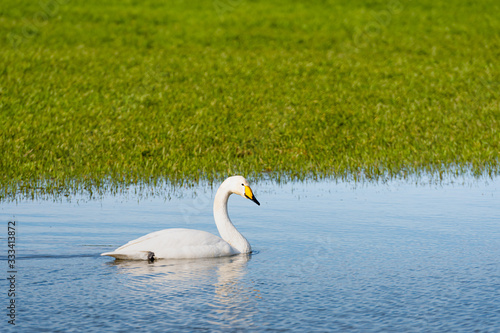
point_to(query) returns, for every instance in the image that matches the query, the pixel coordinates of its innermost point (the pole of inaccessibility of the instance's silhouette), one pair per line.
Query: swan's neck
(226, 228)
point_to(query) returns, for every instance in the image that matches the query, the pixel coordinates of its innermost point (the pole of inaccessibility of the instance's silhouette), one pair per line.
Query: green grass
(135, 91)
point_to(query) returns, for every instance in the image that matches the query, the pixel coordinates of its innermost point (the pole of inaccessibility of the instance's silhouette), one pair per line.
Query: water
(329, 257)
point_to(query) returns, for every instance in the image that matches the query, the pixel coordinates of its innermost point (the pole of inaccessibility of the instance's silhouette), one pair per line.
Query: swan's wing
(151, 237)
(174, 244)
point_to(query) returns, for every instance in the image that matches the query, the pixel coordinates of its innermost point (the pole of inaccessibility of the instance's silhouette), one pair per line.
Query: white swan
(188, 243)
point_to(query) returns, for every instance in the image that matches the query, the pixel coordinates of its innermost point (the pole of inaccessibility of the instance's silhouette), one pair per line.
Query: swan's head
(239, 185)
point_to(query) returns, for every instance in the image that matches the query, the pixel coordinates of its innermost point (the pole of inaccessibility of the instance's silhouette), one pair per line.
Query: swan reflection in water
(217, 285)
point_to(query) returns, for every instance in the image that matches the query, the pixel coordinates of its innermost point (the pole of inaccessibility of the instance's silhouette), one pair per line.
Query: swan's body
(188, 243)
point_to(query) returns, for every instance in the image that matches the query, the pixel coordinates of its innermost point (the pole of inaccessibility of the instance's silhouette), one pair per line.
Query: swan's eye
(242, 184)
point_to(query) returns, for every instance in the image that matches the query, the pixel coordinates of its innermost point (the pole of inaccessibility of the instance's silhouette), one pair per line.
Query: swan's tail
(141, 255)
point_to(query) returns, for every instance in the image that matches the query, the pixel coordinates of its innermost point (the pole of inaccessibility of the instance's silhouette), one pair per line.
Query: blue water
(330, 256)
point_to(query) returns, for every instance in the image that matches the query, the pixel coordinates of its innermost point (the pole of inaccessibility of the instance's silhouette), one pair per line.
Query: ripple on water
(330, 257)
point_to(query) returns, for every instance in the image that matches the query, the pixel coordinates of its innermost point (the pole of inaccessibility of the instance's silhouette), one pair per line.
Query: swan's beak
(249, 195)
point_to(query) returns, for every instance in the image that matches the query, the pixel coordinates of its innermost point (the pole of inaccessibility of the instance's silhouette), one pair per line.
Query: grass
(135, 91)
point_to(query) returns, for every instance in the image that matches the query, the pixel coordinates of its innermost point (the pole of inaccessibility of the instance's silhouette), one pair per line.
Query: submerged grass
(95, 92)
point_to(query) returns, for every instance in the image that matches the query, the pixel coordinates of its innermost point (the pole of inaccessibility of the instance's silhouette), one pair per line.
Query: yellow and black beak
(249, 195)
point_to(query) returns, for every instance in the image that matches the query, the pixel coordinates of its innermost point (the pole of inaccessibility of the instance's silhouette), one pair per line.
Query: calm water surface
(329, 257)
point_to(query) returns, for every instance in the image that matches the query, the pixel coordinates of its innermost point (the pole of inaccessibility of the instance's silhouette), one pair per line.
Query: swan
(180, 243)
